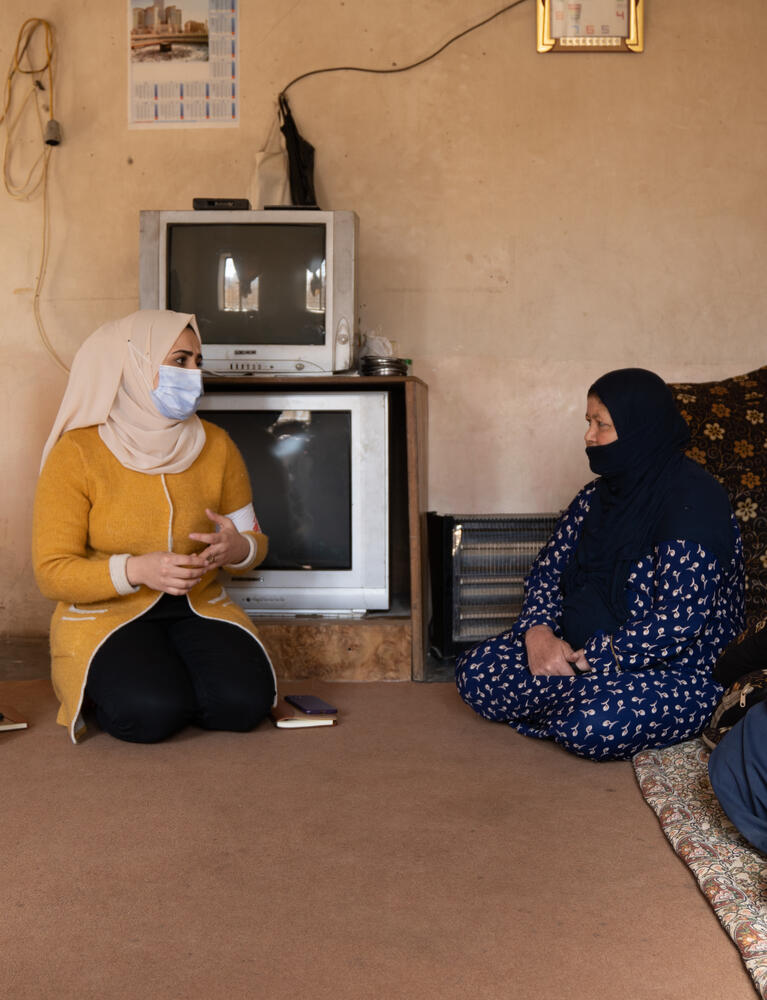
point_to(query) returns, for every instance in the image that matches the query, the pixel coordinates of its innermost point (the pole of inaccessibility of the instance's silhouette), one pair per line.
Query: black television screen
(299, 463)
(249, 283)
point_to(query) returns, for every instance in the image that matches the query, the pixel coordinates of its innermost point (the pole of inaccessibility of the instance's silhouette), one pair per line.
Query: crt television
(319, 470)
(274, 291)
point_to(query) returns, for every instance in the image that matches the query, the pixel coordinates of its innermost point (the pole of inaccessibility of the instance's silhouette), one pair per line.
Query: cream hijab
(110, 385)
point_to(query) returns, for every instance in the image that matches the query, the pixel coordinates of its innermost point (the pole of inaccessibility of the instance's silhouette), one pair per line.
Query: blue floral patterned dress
(650, 684)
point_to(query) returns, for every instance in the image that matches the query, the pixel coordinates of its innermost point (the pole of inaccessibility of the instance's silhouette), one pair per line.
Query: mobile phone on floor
(311, 704)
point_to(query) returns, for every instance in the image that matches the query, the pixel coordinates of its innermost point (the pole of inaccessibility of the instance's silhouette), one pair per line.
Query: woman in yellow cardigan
(138, 505)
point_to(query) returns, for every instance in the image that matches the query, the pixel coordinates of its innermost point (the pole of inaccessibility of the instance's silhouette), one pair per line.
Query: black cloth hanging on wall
(300, 159)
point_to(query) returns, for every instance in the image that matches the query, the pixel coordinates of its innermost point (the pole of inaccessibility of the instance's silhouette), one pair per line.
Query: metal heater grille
(491, 556)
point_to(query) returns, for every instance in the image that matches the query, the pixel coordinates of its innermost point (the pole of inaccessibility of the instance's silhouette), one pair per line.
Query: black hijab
(648, 492)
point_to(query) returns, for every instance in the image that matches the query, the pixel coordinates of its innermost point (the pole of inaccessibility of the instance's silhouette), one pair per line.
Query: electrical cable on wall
(301, 153)
(25, 94)
(403, 69)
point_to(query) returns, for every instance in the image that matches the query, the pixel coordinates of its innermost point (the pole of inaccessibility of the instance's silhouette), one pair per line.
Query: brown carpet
(412, 851)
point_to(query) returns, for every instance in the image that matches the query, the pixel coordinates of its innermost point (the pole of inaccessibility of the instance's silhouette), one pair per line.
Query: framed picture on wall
(590, 25)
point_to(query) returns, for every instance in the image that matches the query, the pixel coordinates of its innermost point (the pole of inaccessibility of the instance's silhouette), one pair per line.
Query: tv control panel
(263, 367)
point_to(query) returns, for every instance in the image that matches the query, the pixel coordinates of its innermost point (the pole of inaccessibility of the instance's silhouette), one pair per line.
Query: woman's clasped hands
(548, 655)
(176, 573)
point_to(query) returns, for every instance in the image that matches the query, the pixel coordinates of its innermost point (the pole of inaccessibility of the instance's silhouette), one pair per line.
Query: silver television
(319, 470)
(274, 291)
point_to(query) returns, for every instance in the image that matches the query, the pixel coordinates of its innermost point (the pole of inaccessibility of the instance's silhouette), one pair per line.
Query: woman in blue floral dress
(632, 600)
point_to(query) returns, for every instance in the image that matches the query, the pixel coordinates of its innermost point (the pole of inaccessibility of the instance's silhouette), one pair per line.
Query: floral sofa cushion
(728, 435)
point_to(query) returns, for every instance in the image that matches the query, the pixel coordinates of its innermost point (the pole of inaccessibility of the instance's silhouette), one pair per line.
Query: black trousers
(170, 669)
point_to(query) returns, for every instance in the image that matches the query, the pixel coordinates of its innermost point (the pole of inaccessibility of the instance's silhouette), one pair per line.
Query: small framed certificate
(590, 25)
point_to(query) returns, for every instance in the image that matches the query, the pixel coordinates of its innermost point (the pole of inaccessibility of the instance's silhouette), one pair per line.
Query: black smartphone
(311, 704)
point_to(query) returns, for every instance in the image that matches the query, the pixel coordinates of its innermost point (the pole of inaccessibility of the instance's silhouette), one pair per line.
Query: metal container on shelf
(371, 364)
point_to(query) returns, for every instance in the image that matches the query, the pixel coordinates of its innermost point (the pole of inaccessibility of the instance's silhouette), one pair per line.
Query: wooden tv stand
(389, 645)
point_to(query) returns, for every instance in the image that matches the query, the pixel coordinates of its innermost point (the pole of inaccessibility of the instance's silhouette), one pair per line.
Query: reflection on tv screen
(250, 283)
(299, 462)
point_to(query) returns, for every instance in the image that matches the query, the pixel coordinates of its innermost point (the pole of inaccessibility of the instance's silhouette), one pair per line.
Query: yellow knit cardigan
(89, 507)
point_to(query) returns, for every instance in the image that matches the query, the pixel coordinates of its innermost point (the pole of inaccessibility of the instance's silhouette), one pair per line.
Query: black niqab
(648, 492)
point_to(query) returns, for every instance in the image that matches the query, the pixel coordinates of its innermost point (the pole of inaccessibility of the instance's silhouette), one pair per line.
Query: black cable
(402, 69)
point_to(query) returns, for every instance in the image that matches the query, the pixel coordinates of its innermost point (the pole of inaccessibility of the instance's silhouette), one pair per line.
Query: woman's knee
(239, 699)
(592, 732)
(593, 746)
(150, 719)
(476, 684)
(601, 735)
(138, 685)
(236, 711)
(495, 684)
(466, 670)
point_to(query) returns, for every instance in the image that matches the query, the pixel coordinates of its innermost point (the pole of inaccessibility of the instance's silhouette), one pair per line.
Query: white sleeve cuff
(119, 574)
(248, 559)
(245, 519)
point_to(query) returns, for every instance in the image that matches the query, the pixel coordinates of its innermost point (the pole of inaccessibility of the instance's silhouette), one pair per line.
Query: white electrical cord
(14, 108)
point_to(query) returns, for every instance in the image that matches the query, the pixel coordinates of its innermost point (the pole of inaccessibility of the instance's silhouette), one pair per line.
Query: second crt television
(274, 291)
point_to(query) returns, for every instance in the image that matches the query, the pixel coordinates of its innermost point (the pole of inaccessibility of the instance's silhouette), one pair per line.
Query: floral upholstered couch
(728, 428)
(728, 424)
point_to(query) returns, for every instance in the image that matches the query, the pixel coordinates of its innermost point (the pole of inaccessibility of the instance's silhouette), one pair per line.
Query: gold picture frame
(590, 25)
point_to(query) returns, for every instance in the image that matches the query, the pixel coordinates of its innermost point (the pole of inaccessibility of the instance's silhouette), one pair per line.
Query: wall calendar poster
(182, 59)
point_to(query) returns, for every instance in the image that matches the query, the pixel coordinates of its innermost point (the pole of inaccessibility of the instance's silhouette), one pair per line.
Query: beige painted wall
(527, 222)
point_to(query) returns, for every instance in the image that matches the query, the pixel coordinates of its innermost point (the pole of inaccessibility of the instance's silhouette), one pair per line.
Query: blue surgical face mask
(178, 391)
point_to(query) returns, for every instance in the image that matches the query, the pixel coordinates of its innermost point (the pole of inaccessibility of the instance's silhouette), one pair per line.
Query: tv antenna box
(221, 204)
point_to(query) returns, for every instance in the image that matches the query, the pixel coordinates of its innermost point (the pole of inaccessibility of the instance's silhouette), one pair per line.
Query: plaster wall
(527, 222)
